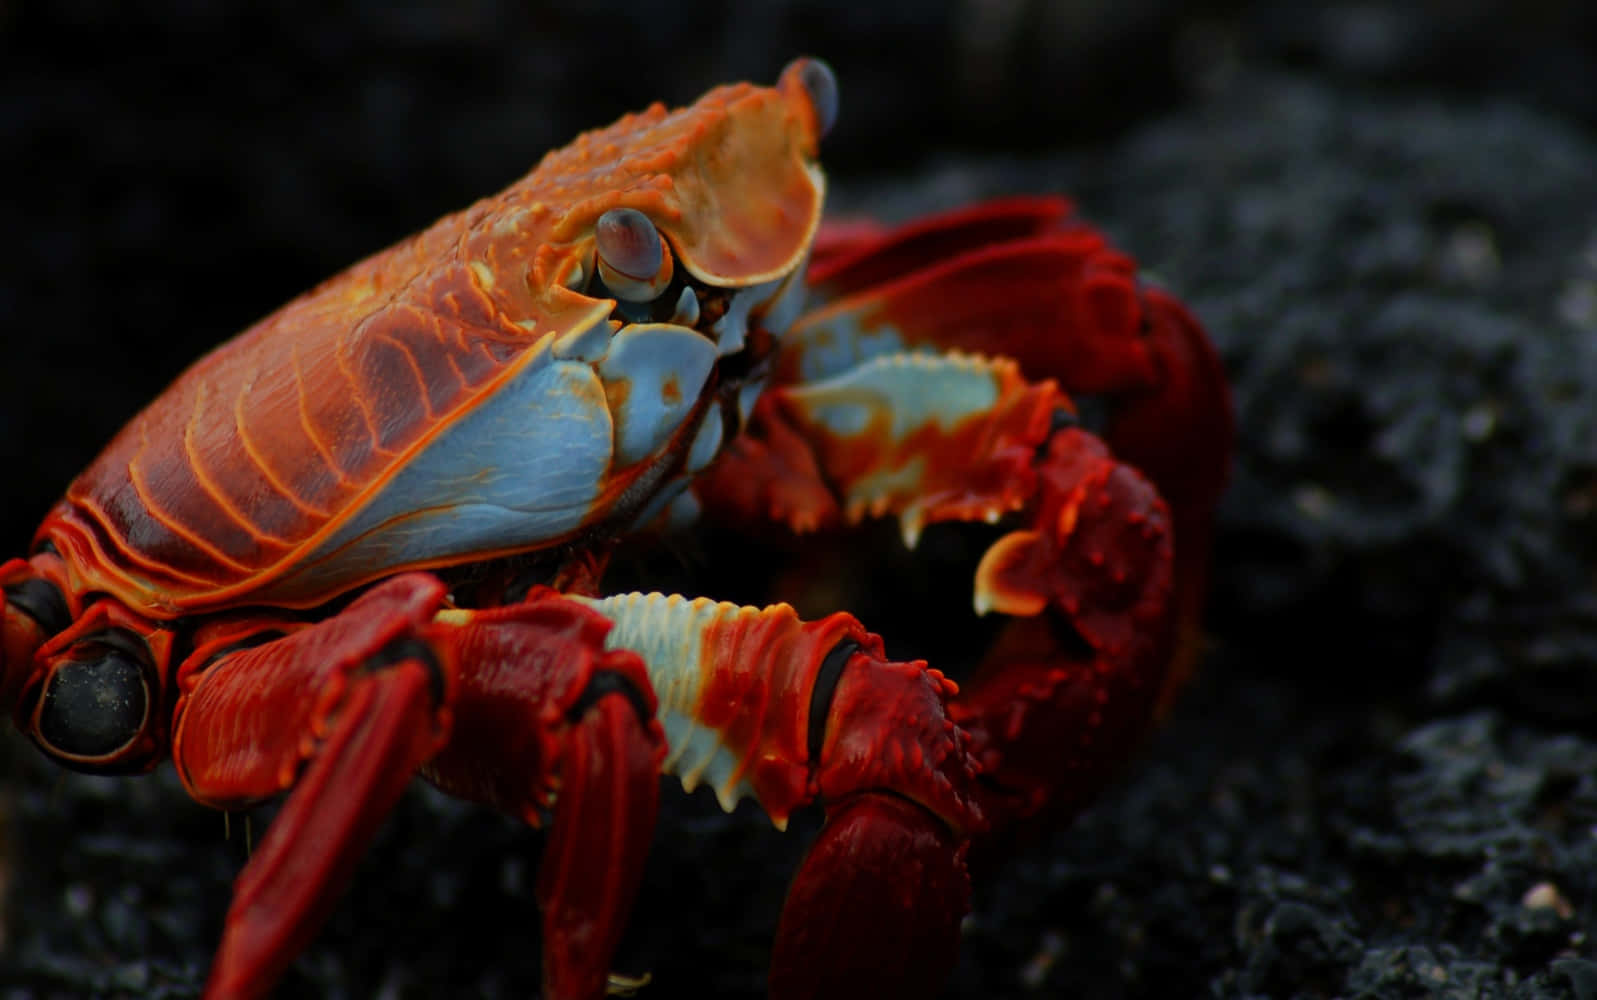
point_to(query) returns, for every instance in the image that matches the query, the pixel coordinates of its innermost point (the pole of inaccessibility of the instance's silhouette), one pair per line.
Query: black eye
(633, 260)
(94, 704)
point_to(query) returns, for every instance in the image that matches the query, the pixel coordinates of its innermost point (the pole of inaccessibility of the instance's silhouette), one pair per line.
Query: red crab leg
(21, 631)
(341, 713)
(1075, 679)
(857, 254)
(1023, 278)
(547, 716)
(35, 604)
(758, 703)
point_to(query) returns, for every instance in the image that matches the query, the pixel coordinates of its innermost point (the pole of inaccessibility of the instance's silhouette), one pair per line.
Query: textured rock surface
(1383, 784)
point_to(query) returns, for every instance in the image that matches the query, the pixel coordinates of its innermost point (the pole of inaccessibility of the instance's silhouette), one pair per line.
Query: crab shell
(459, 396)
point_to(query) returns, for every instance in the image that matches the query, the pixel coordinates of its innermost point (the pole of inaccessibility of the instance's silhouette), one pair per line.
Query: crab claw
(759, 703)
(1072, 683)
(875, 909)
(1090, 565)
(1024, 278)
(1182, 438)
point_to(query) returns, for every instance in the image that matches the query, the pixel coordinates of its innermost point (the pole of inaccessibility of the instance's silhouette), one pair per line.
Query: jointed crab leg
(344, 712)
(759, 703)
(856, 255)
(35, 605)
(548, 716)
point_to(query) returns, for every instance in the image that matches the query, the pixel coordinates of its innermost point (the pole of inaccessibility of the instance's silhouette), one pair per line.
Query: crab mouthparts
(723, 315)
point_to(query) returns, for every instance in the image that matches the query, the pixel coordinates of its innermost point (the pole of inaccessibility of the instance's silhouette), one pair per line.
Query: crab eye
(820, 84)
(634, 262)
(95, 704)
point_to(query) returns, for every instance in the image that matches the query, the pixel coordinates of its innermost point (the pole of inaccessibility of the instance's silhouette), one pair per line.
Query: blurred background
(178, 169)
(1386, 213)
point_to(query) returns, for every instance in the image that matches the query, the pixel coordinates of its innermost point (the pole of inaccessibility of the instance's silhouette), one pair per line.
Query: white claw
(910, 524)
(983, 602)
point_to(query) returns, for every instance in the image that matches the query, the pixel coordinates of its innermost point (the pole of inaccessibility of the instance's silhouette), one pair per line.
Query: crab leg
(21, 631)
(341, 713)
(1024, 278)
(34, 605)
(857, 254)
(548, 716)
(758, 703)
(1075, 677)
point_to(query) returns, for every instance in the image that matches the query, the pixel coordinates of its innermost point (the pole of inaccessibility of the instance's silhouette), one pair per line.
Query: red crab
(365, 540)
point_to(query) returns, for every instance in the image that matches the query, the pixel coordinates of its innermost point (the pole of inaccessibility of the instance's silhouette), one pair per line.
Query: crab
(366, 540)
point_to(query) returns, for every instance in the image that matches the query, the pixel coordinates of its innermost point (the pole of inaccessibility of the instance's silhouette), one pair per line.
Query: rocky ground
(1383, 784)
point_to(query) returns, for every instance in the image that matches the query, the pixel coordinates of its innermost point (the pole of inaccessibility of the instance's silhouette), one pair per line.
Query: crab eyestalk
(819, 84)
